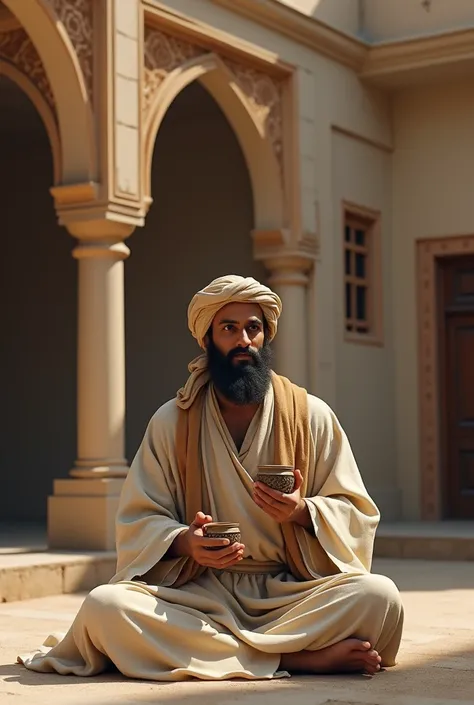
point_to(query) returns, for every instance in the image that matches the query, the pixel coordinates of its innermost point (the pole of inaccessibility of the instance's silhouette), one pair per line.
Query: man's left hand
(283, 507)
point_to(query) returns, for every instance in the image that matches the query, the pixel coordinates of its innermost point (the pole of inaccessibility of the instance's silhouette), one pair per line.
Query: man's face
(239, 358)
(236, 328)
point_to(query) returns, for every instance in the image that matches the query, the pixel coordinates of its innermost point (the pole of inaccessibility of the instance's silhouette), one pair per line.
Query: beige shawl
(165, 488)
(292, 435)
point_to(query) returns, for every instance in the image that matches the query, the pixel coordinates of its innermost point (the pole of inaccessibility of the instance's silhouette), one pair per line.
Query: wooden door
(456, 339)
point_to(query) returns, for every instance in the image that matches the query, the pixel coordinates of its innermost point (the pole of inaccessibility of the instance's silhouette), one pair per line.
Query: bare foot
(348, 656)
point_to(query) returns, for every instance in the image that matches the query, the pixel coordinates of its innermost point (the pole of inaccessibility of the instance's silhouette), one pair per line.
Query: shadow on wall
(198, 228)
(37, 317)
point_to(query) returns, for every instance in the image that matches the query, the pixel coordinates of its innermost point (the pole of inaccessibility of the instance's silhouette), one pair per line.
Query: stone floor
(436, 664)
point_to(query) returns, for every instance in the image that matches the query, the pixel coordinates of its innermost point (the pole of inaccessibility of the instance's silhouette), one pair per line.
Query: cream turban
(226, 290)
(202, 309)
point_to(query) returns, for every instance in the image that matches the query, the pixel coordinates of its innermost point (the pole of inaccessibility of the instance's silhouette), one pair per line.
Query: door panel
(460, 414)
(457, 385)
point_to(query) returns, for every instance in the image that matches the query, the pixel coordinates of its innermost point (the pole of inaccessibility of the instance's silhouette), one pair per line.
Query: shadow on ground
(436, 661)
(443, 678)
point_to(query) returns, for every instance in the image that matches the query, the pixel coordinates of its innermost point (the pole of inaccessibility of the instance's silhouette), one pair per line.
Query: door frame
(428, 252)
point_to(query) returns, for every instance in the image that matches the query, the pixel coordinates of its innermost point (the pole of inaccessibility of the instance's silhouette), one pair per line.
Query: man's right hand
(193, 543)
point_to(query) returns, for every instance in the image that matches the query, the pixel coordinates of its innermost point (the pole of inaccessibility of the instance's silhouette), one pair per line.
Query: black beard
(244, 382)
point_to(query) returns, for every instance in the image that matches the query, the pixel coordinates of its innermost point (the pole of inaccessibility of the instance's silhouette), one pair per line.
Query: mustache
(254, 354)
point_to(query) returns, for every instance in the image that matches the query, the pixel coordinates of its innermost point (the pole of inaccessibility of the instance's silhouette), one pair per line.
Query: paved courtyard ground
(436, 660)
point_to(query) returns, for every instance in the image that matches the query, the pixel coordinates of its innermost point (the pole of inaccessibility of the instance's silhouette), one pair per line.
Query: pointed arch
(264, 168)
(61, 64)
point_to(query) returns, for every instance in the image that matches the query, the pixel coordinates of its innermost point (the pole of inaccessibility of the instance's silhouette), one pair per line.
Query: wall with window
(332, 99)
(432, 191)
(362, 289)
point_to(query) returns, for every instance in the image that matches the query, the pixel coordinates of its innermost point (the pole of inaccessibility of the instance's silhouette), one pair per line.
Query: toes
(362, 645)
(373, 656)
(363, 667)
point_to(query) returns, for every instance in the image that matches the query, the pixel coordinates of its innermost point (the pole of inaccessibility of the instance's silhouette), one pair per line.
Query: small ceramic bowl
(278, 477)
(222, 530)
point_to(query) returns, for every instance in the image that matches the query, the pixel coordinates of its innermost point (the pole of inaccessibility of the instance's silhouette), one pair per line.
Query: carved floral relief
(17, 48)
(164, 53)
(77, 18)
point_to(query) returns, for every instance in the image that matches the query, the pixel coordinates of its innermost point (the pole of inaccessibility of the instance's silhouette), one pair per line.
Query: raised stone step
(27, 575)
(446, 541)
(29, 570)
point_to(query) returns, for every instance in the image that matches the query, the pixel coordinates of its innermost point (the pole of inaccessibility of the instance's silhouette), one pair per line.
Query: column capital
(289, 268)
(288, 262)
(86, 206)
(101, 230)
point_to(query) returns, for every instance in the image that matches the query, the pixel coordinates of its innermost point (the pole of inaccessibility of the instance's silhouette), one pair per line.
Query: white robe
(237, 622)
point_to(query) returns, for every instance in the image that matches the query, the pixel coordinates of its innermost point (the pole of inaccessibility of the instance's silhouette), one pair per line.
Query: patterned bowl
(222, 530)
(279, 477)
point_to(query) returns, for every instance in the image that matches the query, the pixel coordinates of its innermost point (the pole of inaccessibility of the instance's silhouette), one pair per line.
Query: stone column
(81, 513)
(101, 361)
(289, 279)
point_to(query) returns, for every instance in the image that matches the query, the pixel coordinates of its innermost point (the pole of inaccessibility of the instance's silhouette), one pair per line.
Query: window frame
(367, 219)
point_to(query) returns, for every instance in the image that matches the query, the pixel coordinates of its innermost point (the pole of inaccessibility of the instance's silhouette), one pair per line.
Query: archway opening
(37, 318)
(198, 228)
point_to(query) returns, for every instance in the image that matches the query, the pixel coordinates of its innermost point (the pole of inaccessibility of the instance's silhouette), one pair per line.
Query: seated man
(296, 595)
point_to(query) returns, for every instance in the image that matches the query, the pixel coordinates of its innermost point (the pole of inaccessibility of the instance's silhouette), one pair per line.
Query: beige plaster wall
(396, 19)
(38, 326)
(331, 95)
(340, 14)
(328, 94)
(365, 373)
(198, 228)
(327, 88)
(432, 191)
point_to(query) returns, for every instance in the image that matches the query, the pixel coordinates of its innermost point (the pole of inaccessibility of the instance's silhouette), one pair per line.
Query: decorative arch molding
(67, 85)
(17, 49)
(77, 18)
(428, 254)
(250, 99)
(44, 108)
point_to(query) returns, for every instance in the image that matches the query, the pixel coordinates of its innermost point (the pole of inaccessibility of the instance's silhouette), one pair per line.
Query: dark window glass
(348, 301)
(347, 233)
(361, 303)
(360, 268)
(360, 237)
(348, 257)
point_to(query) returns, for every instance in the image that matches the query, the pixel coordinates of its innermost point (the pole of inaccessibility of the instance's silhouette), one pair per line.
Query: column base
(107, 469)
(81, 514)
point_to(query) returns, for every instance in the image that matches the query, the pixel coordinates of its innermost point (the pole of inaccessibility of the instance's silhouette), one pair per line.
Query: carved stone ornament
(264, 94)
(17, 48)
(164, 53)
(77, 18)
